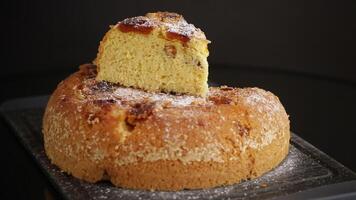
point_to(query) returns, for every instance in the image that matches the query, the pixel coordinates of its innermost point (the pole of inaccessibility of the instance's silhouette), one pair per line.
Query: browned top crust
(174, 25)
(93, 128)
(139, 104)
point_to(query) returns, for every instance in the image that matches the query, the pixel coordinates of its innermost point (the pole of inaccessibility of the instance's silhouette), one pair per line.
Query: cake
(97, 130)
(142, 116)
(156, 52)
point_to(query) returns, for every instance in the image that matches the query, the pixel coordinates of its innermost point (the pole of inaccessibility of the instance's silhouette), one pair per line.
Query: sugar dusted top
(215, 128)
(173, 24)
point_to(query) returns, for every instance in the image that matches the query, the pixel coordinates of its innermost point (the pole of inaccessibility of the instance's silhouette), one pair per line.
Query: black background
(302, 51)
(305, 36)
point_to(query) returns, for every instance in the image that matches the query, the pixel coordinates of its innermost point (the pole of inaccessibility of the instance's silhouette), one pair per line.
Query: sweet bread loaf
(156, 52)
(96, 130)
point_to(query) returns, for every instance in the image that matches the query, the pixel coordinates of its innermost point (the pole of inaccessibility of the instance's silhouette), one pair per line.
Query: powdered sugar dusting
(299, 171)
(261, 98)
(130, 94)
(286, 172)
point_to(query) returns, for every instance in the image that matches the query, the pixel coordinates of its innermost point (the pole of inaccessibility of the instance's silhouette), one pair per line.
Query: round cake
(97, 130)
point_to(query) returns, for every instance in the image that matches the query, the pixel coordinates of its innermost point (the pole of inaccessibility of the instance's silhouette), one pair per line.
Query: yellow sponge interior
(153, 63)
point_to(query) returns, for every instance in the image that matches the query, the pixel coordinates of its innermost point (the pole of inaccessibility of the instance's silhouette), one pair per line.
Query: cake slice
(156, 52)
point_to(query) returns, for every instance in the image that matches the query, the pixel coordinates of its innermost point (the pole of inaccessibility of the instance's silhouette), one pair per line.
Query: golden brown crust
(96, 130)
(173, 24)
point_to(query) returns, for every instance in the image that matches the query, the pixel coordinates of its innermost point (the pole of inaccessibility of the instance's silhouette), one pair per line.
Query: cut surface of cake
(156, 52)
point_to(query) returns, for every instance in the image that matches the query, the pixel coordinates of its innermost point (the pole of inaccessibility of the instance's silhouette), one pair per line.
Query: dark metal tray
(305, 173)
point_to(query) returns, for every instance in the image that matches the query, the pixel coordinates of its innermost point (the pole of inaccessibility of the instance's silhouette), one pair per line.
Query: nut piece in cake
(156, 52)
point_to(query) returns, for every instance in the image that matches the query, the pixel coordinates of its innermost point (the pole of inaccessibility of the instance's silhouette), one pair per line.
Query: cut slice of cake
(156, 52)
